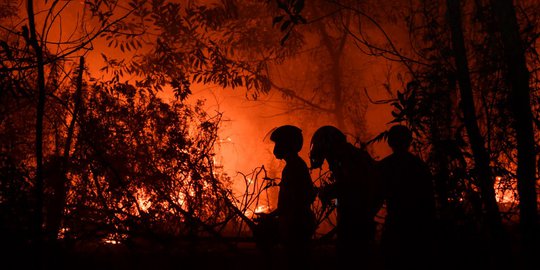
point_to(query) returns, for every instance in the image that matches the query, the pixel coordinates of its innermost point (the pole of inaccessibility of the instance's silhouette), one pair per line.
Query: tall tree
(32, 39)
(480, 153)
(520, 103)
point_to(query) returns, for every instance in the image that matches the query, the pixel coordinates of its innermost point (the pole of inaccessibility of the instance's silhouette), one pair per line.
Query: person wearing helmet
(296, 220)
(358, 192)
(410, 204)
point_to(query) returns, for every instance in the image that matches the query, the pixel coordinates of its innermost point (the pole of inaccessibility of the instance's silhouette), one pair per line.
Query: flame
(143, 200)
(181, 199)
(114, 238)
(248, 213)
(262, 209)
(505, 194)
(62, 233)
(111, 241)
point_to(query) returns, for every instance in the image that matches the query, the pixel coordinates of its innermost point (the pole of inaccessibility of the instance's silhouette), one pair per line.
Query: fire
(505, 190)
(62, 233)
(111, 241)
(262, 209)
(114, 238)
(143, 200)
(181, 199)
(248, 213)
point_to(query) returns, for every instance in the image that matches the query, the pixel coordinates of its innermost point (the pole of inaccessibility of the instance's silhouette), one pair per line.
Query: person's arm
(281, 195)
(273, 214)
(327, 192)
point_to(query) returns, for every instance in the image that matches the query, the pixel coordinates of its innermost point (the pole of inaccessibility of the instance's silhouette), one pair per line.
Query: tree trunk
(335, 51)
(34, 43)
(60, 183)
(518, 80)
(480, 154)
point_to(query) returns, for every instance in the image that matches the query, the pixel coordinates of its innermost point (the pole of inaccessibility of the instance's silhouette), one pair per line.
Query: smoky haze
(308, 73)
(319, 76)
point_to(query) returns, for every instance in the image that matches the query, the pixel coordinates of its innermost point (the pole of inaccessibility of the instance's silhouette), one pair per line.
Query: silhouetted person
(410, 205)
(358, 192)
(296, 194)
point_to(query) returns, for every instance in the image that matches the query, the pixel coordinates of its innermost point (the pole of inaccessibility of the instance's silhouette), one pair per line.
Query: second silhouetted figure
(357, 189)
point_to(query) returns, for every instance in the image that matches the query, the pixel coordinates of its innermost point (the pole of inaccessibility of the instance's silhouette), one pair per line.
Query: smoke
(243, 144)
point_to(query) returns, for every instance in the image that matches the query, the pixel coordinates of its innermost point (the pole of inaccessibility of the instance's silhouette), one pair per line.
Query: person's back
(358, 193)
(410, 203)
(408, 190)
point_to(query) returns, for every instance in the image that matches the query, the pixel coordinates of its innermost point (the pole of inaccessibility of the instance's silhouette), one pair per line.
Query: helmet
(289, 136)
(322, 142)
(399, 137)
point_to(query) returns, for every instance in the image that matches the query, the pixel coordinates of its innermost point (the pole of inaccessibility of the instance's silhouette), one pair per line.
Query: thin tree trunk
(61, 185)
(76, 108)
(480, 154)
(39, 121)
(518, 80)
(335, 51)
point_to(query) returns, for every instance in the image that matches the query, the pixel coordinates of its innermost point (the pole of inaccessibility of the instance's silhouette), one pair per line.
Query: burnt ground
(241, 255)
(244, 255)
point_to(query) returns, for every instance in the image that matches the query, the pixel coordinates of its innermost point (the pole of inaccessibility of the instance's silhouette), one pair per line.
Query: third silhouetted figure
(410, 205)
